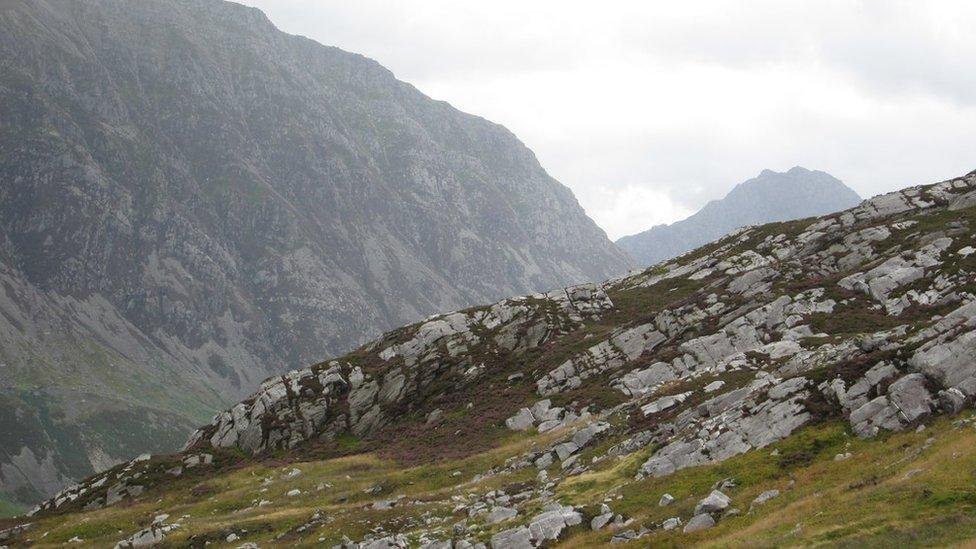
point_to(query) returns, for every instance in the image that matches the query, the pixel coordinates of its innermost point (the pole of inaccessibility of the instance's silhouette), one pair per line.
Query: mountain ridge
(769, 197)
(198, 200)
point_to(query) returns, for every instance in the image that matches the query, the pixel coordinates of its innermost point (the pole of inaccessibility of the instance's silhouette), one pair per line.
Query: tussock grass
(894, 491)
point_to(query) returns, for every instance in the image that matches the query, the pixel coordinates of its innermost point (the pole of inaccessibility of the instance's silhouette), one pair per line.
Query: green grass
(893, 491)
(10, 508)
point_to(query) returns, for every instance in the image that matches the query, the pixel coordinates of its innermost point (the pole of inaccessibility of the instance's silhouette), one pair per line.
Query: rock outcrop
(738, 322)
(722, 352)
(337, 397)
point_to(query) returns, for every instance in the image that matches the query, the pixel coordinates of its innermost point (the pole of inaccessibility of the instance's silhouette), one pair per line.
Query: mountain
(194, 200)
(720, 398)
(770, 197)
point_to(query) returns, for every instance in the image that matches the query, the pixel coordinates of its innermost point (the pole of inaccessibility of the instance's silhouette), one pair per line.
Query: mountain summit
(770, 197)
(193, 200)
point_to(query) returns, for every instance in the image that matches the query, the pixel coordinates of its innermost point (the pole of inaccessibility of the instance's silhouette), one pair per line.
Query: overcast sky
(649, 109)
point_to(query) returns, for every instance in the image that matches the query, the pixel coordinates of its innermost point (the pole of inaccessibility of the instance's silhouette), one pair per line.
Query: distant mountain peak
(771, 196)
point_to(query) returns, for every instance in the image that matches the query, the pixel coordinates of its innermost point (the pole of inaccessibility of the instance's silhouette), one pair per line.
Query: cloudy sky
(649, 109)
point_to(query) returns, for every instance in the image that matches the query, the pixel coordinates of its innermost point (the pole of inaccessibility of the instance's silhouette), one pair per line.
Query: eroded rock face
(202, 235)
(731, 424)
(622, 347)
(907, 401)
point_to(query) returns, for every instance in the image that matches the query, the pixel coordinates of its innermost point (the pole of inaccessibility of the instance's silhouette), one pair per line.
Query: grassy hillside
(800, 383)
(904, 489)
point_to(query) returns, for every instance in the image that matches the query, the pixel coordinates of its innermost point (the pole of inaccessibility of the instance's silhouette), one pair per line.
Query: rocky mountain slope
(194, 200)
(770, 197)
(667, 407)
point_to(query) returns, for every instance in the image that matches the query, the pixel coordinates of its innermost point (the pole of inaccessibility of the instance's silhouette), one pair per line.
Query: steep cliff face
(193, 200)
(669, 405)
(769, 197)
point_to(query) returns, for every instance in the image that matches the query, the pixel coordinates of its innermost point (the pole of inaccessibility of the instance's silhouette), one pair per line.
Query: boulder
(521, 421)
(565, 449)
(500, 514)
(714, 386)
(600, 521)
(765, 496)
(671, 523)
(515, 538)
(583, 437)
(713, 503)
(910, 396)
(952, 400)
(549, 524)
(699, 522)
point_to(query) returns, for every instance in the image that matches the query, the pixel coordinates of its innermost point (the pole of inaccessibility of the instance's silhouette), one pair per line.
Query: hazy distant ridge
(772, 196)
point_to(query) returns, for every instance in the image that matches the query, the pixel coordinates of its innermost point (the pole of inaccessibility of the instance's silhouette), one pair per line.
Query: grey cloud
(876, 92)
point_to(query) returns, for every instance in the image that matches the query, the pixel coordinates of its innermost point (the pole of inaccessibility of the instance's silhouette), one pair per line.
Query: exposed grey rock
(856, 396)
(194, 460)
(624, 537)
(666, 499)
(664, 403)
(521, 421)
(584, 436)
(599, 521)
(7, 534)
(952, 400)
(434, 416)
(388, 542)
(671, 523)
(907, 401)
(947, 357)
(147, 537)
(639, 382)
(876, 414)
(715, 501)
(896, 272)
(787, 388)
(963, 201)
(515, 538)
(540, 410)
(565, 449)
(727, 425)
(910, 396)
(621, 347)
(550, 523)
(765, 496)
(713, 386)
(703, 521)
(445, 544)
(727, 483)
(500, 514)
(304, 403)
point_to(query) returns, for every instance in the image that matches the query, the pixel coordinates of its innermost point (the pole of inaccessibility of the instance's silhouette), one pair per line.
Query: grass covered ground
(10, 508)
(915, 488)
